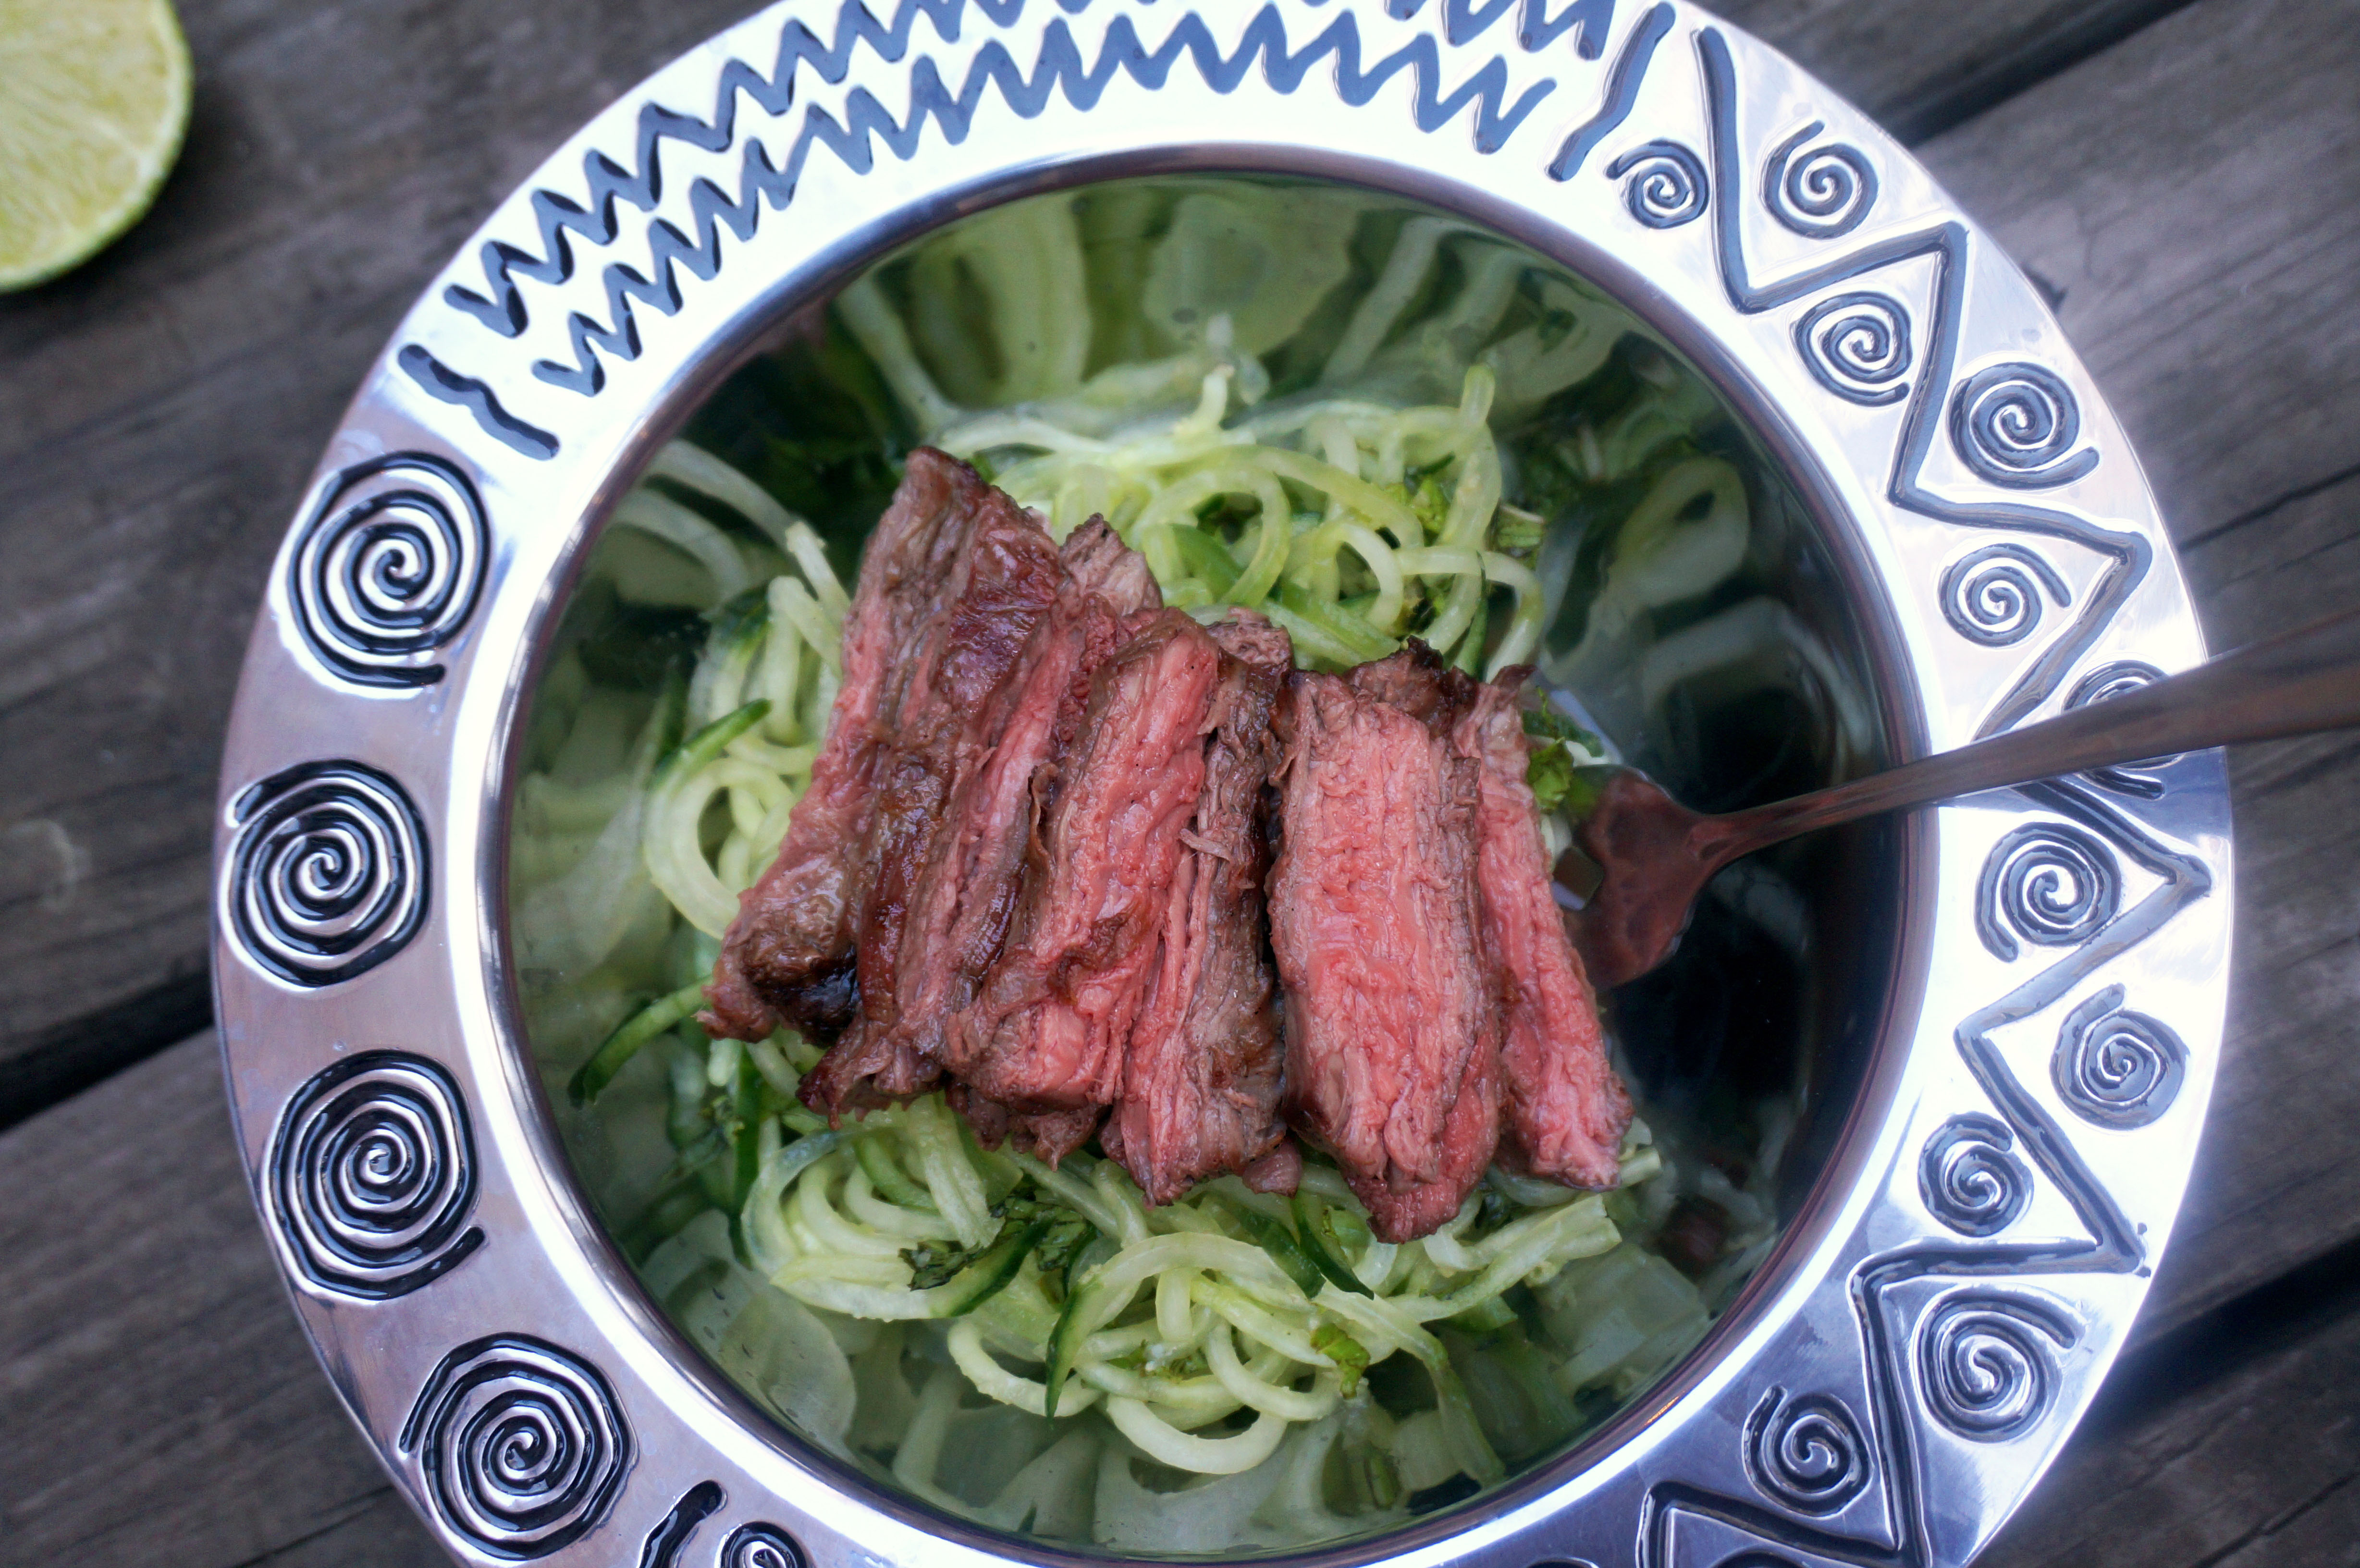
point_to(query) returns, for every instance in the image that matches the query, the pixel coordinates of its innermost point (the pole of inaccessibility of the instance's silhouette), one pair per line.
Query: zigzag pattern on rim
(1061, 65)
(1986, 1374)
(2128, 553)
(2110, 1244)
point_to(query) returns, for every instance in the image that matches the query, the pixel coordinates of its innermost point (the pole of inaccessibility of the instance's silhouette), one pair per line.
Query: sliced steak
(1202, 1077)
(955, 912)
(1048, 1135)
(1049, 1030)
(1418, 682)
(788, 955)
(1279, 1170)
(1567, 1110)
(1100, 563)
(1000, 585)
(1393, 1029)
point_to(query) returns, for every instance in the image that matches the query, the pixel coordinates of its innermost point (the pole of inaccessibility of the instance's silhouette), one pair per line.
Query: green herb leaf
(1545, 722)
(1312, 1225)
(1058, 1236)
(1279, 1242)
(1062, 1242)
(1550, 773)
(1517, 534)
(934, 1263)
(1350, 1356)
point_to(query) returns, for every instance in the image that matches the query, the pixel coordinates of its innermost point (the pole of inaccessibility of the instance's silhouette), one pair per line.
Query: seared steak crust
(1201, 1085)
(1049, 1030)
(788, 956)
(952, 718)
(1392, 1032)
(1566, 1108)
(956, 914)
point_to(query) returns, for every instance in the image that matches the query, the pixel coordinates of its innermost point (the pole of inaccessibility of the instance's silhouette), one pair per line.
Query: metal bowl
(2012, 1076)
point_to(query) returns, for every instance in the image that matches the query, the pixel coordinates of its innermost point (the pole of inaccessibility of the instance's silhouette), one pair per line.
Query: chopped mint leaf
(1550, 773)
(934, 1263)
(1067, 1235)
(1350, 1356)
(1545, 721)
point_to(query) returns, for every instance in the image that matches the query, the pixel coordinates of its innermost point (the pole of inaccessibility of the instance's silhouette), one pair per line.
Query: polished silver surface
(1942, 1312)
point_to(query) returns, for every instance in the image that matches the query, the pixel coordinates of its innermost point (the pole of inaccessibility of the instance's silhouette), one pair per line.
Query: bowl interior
(1693, 613)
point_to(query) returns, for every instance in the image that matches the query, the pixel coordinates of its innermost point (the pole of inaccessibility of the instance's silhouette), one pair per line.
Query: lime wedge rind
(94, 100)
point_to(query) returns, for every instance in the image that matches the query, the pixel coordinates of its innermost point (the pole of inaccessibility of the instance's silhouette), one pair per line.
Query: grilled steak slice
(1201, 1081)
(1001, 586)
(1279, 1170)
(1100, 563)
(1048, 1135)
(1392, 1009)
(788, 956)
(956, 911)
(1566, 1108)
(1418, 682)
(1049, 1029)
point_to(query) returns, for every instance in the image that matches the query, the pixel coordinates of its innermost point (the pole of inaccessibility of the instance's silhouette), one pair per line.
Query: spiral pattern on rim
(762, 1546)
(1822, 194)
(2051, 883)
(1969, 1178)
(1805, 1451)
(1992, 596)
(326, 875)
(522, 1446)
(1857, 346)
(2018, 425)
(1987, 1363)
(2117, 680)
(372, 1176)
(387, 570)
(1668, 185)
(2115, 1067)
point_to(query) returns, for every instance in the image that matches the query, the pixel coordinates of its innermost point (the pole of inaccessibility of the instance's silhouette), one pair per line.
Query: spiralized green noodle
(1231, 1335)
(1187, 1326)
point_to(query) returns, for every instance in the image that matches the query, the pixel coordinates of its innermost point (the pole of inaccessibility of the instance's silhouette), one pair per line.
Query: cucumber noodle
(1201, 1331)
(1199, 1346)
(1362, 523)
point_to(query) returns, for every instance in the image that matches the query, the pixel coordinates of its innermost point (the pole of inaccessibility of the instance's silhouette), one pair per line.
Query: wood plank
(2195, 194)
(2230, 1446)
(1922, 69)
(2278, 1173)
(158, 1403)
(164, 405)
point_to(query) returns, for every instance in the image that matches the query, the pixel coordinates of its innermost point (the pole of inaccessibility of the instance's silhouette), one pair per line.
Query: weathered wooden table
(2182, 176)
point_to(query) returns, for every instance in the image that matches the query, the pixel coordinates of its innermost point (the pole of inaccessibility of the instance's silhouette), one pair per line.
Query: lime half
(94, 101)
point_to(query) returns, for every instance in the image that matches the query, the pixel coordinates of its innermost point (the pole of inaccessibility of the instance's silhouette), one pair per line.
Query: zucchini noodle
(1015, 1341)
(1188, 1332)
(1351, 523)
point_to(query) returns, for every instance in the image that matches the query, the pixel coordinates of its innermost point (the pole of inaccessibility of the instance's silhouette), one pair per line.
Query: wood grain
(1922, 69)
(2195, 194)
(158, 1403)
(162, 408)
(2232, 1445)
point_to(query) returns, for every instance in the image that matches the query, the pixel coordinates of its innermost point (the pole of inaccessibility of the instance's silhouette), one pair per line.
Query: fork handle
(2299, 683)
